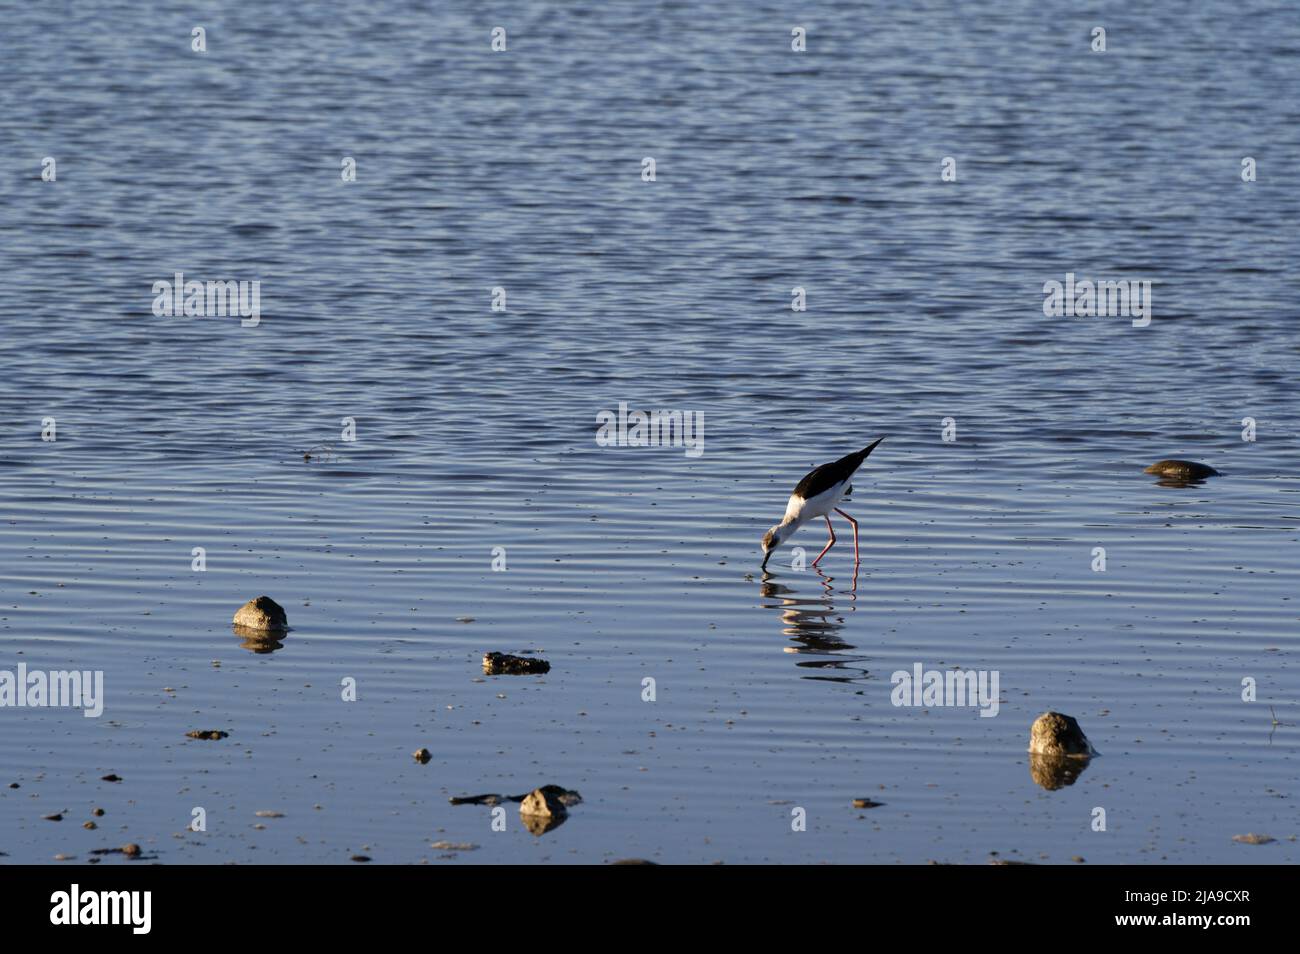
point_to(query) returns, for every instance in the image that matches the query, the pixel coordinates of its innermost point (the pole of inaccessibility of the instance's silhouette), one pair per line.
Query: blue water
(475, 429)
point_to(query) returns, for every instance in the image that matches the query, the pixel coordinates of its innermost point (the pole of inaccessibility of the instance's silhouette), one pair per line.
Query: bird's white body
(799, 511)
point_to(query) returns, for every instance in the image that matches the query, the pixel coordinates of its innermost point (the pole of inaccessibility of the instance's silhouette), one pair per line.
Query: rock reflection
(258, 641)
(1056, 771)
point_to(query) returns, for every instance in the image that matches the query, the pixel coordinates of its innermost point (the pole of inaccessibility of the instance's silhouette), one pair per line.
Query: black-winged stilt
(816, 496)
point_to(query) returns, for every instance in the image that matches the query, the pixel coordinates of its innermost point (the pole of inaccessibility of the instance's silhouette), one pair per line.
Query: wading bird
(816, 496)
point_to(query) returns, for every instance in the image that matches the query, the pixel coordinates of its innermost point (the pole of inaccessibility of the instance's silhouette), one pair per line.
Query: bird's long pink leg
(830, 544)
(855, 533)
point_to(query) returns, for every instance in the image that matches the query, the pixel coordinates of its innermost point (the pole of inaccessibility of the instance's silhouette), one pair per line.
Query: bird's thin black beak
(868, 451)
(766, 556)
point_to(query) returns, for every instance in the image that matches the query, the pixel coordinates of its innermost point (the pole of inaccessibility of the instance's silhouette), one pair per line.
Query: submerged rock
(1181, 470)
(566, 797)
(422, 756)
(1057, 735)
(501, 664)
(563, 796)
(262, 615)
(490, 799)
(541, 810)
(210, 734)
(454, 846)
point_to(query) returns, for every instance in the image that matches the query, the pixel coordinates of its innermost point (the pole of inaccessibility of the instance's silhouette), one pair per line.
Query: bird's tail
(862, 454)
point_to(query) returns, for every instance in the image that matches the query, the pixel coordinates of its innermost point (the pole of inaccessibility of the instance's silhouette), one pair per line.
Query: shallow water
(476, 429)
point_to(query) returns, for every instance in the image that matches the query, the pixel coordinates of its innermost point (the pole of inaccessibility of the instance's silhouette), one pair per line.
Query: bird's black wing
(823, 478)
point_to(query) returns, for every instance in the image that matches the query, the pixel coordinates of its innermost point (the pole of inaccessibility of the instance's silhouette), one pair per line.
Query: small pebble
(1253, 839)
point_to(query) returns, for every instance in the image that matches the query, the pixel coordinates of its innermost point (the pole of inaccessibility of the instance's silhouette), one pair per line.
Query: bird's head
(771, 540)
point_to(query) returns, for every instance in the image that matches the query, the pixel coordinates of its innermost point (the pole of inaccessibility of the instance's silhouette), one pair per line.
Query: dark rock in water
(541, 810)
(1181, 470)
(866, 803)
(111, 778)
(1057, 735)
(262, 615)
(361, 858)
(564, 796)
(422, 756)
(210, 734)
(490, 799)
(132, 850)
(501, 664)
(1056, 771)
(634, 861)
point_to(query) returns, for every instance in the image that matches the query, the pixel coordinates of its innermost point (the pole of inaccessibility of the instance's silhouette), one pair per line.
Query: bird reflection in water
(812, 617)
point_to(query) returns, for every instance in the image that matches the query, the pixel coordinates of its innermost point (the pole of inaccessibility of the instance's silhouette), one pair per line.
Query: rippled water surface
(475, 429)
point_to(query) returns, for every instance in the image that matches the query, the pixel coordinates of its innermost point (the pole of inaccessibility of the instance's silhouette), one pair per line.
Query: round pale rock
(542, 803)
(262, 614)
(549, 801)
(1059, 735)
